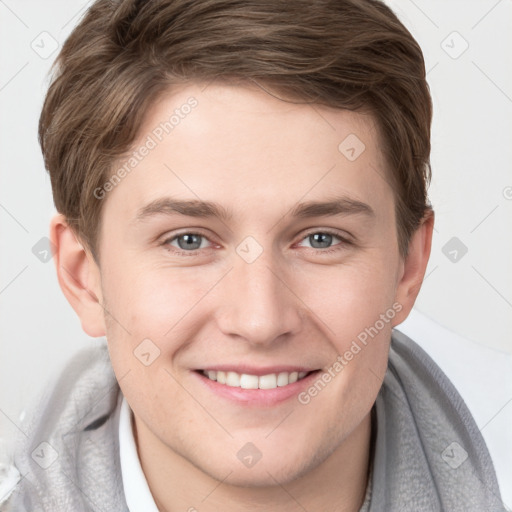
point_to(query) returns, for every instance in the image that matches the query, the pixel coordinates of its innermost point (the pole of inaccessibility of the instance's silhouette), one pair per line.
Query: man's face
(260, 291)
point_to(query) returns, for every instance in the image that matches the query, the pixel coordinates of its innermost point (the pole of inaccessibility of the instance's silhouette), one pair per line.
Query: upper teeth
(246, 381)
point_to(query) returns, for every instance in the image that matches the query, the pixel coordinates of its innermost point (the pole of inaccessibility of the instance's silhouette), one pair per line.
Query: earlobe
(79, 276)
(414, 267)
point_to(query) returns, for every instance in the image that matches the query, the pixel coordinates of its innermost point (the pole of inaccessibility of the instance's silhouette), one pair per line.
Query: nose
(257, 303)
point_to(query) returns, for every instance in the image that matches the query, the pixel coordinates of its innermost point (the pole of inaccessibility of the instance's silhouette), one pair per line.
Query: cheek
(349, 298)
(356, 306)
(148, 312)
(149, 302)
(152, 314)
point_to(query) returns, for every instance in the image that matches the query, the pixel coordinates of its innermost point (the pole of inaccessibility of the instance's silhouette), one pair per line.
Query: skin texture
(294, 304)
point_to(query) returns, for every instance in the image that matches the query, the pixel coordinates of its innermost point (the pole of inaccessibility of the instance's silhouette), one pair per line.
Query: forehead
(241, 146)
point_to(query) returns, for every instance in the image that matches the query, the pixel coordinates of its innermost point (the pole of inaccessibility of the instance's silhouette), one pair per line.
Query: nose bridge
(256, 303)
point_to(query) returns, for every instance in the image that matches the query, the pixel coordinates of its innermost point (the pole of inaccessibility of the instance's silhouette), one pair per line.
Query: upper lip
(253, 370)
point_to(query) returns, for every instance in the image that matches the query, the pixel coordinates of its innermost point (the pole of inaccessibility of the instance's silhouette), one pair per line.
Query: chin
(267, 471)
(265, 476)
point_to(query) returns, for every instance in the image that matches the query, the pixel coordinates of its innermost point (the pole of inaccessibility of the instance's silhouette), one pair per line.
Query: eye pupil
(325, 239)
(190, 241)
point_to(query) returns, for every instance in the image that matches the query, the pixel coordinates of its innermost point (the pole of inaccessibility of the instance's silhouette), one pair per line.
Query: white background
(471, 190)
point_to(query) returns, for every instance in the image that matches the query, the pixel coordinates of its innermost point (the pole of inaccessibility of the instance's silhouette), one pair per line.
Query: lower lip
(257, 397)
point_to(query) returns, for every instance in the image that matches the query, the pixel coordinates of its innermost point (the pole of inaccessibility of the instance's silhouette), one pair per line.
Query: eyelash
(328, 250)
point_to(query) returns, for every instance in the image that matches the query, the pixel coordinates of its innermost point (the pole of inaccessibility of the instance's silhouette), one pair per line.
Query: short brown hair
(347, 54)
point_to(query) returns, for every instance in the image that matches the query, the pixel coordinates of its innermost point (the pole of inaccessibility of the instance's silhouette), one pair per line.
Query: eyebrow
(205, 209)
(336, 206)
(191, 208)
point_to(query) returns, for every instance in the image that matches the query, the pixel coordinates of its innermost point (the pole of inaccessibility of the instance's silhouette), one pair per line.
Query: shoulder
(427, 386)
(68, 436)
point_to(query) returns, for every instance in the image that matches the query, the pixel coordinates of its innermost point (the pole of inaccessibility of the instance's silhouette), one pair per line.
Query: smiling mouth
(248, 381)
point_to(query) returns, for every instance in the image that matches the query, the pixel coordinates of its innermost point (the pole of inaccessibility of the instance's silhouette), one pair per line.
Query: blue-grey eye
(323, 240)
(189, 241)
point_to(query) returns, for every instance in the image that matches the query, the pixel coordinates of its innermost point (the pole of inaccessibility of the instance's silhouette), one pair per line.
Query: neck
(332, 485)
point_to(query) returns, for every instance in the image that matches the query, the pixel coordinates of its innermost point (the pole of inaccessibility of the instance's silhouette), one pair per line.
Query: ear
(414, 267)
(79, 276)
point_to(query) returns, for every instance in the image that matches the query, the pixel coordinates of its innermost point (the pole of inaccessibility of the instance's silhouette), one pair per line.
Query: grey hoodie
(427, 452)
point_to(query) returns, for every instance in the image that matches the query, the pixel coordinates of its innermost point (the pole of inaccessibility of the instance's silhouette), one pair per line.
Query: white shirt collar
(136, 489)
